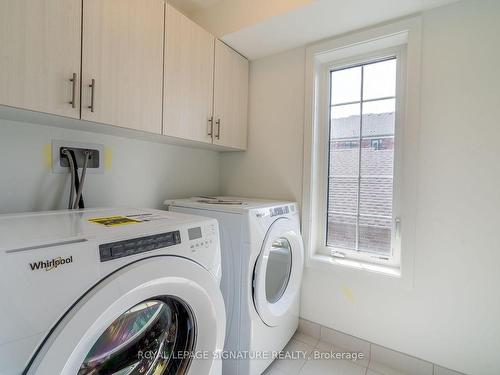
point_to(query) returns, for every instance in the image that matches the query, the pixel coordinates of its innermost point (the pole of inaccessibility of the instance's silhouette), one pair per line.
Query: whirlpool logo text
(49, 265)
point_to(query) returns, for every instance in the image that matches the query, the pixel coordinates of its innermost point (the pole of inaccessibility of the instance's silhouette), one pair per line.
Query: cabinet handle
(211, 126)
(73, 90)
(217, 136)
(92, 89)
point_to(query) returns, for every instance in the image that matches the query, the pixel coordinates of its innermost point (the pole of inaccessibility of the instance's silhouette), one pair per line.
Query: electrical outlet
(60, 163)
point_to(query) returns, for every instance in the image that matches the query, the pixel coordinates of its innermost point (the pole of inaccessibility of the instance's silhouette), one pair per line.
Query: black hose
(81, 204)
(82, 178)
(66, 154)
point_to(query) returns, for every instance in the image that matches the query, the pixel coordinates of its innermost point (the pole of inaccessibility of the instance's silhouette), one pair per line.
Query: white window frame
(399, 52)
(402, 40)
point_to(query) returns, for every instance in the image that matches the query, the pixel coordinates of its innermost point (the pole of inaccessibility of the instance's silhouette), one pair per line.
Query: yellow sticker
(47, 156)
(113, 221)
(108, 158)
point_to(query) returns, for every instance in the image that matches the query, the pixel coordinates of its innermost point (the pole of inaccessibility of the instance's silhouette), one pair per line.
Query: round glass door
(146, 339)
(277, 273)
(279, 266)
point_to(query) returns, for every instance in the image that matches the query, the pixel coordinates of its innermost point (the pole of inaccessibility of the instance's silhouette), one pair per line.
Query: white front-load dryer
(262, 265)
(110, 291)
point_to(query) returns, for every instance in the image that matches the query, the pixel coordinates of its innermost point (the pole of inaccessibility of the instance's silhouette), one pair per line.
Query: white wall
(272, 166)
(451, 316)
(138, 173)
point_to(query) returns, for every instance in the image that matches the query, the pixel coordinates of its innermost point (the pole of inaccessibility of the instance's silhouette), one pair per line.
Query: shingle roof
(375, 192)
(373, 124)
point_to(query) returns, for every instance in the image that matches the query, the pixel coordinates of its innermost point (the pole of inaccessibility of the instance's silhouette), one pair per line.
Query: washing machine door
(161, 315)
(278, 271)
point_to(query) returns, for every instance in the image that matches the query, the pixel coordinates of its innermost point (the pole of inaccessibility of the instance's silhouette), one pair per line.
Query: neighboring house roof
(375, 193)
(373, 124)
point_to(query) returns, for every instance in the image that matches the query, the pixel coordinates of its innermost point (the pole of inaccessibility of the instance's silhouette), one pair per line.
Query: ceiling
(192, 6)
(228, 16)
(304, 23)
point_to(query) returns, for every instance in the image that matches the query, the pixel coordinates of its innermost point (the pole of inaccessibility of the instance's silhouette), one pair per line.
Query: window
(360, 206)
(360, 135)
(376, 144)
(360, 177)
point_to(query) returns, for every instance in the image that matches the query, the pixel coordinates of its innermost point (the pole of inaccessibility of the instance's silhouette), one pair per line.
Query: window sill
(319, 260)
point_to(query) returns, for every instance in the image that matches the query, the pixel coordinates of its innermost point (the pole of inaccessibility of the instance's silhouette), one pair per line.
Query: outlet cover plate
(56, 155)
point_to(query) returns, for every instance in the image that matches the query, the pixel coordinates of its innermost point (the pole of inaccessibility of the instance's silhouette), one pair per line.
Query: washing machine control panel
(120, 249)
(201, 237)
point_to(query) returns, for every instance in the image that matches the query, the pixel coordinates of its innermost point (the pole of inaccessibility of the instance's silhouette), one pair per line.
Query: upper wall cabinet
(40, 55)
(188, 79)
(230, 97)
(143, 66)
(122, 63)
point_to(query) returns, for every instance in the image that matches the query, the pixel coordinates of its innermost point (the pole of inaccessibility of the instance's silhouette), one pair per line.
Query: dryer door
(160, 315)
(278, 271)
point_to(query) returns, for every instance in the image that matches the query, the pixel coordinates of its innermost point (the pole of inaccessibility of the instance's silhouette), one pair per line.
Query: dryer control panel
(277, 211)
(281, 210)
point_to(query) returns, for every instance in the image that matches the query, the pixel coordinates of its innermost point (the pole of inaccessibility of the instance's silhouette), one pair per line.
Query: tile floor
(307, 365)
(308, 348)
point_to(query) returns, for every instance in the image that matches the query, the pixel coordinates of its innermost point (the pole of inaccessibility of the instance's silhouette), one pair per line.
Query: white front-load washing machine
(262, 265)
(110, 291)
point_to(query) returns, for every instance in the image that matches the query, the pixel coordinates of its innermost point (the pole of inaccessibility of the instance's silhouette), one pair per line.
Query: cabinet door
(123, 62)
(189, 69)
(230, 97)
(40, 43)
